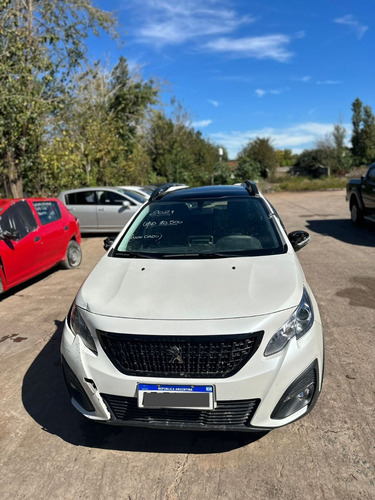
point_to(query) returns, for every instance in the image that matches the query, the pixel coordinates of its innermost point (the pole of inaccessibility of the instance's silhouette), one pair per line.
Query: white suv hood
(193, 289)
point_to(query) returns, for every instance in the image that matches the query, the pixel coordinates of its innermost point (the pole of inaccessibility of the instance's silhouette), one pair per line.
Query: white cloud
(165, 22)
(135, 66)
(201, 123)
(329, 82)
(260, 47)
(235, 78)
(297, 137)
(303, 79)
(262, 92)
(354, 25)
(214, 103)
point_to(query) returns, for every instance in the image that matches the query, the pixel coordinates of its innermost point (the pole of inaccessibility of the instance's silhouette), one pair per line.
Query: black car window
(371, 174)
(112, 198)
(48, 211)
(134, 194)
(18, 217)
(81, 198)
(223, 226)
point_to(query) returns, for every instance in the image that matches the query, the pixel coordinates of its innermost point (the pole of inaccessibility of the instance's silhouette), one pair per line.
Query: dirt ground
(49, 451)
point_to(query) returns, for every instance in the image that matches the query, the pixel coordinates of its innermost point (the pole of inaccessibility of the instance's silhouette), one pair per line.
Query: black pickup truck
(360, 193)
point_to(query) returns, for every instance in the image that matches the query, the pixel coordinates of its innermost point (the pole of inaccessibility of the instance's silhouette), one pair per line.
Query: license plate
(193, 397)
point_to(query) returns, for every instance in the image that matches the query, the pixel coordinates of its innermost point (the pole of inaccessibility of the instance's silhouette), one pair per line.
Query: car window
(233, 226)
(81, 198)
(48, 211)
(133, 194)
(371, 174)
(112, 198)
(20, 218)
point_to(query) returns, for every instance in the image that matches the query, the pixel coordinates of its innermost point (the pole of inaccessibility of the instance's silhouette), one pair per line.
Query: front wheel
(73, 256)
(356, 214)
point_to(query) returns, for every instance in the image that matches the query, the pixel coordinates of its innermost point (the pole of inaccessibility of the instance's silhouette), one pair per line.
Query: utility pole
(221, 152)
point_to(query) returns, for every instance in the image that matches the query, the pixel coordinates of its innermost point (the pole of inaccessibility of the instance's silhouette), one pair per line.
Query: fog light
(299, 394)
(307, 393)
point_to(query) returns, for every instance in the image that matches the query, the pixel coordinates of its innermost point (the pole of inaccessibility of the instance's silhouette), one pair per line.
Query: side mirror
(12, 234)
(299, 239)
(108, 242)
(126, 204)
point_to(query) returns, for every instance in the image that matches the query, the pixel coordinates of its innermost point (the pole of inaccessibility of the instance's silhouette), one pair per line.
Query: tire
(356, 214)
(73, 256)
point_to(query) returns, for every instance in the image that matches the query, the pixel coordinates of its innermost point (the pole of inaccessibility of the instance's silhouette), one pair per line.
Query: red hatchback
(36, 234)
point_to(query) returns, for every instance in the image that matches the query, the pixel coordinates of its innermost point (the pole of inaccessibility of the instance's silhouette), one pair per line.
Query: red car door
(53, 231)
(21, 256)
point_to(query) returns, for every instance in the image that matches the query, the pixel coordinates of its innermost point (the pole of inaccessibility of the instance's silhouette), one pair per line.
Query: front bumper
(246, 401)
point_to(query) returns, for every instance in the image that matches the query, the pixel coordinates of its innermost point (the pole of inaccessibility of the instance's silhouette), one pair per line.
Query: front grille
(233, 414)
(216, 356)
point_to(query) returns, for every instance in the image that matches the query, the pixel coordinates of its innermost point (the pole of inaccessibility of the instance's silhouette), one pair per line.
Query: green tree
(363, 136)
(131, 98)
(333, 152)
(82, 140)
(42, 43)
(309, 162)
(357, 136)
(209, 165)
(261, 151)
(96, 138)
(178, 153)
(368, 134)
(286, 157)
(342, 157)
(247, 169)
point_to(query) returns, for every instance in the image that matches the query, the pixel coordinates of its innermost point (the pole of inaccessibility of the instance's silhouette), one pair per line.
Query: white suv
(198, 317)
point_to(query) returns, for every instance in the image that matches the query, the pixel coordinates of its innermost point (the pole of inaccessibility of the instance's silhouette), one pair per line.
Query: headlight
(297, 325)
(78, 326)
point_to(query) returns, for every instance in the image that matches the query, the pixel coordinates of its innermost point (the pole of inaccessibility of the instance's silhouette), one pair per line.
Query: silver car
(100, 209)
(133, 192)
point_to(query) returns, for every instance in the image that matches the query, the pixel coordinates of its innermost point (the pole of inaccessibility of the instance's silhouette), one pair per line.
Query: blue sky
(288, 69)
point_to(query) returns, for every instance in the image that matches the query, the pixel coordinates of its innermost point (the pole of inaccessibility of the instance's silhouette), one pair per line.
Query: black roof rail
(161, 191)
(250, 187)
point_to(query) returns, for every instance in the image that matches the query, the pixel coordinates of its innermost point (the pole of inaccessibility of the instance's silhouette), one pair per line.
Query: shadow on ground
(22, 286)
(45, 398)
(344, 230)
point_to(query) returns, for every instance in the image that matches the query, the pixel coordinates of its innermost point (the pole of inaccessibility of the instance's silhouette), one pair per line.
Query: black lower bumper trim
(228, 415)
(75, 389)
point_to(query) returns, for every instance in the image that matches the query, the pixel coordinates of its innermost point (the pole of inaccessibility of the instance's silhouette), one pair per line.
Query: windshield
(220, 227)
(134, 194)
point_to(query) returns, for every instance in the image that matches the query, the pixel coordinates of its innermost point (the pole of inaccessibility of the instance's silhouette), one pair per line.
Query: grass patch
(307, 184)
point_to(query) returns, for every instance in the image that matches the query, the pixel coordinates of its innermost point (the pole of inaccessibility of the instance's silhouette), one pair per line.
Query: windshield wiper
(203, 255)
(135, 255)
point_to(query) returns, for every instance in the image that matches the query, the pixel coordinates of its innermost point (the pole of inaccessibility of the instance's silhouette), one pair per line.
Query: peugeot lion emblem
(174, 354)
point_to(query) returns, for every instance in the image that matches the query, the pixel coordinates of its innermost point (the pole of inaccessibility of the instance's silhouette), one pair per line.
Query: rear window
(134, 194)
(213, 227)
(48, 211)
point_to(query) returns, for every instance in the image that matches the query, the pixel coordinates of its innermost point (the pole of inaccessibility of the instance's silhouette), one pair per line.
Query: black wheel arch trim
(355, 194)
